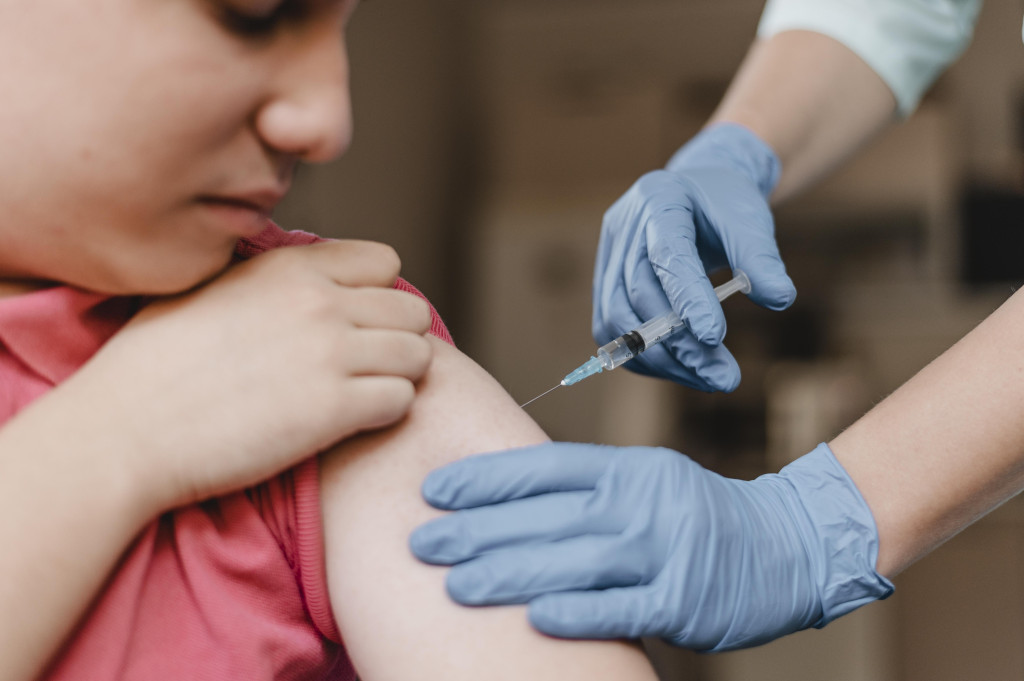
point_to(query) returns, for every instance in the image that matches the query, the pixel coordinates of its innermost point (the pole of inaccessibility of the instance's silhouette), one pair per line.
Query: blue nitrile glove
(707, 210)
(608, 542)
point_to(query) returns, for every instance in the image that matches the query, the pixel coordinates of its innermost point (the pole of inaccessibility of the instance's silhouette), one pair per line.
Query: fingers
(759, 257)
(350, 262)
(770, 286)
(470, 533)
(514, 474)
(677, 269)
(385, 308)
(655, 243)
(387, 353)
(364, 272)
(622, 253)
(612, 311)
(688, 361)
(522, 574)
(629, 612)
(682, 357)
(655, 264)
(743, 220)
(672, 263)
(613, 315)
(376, 401)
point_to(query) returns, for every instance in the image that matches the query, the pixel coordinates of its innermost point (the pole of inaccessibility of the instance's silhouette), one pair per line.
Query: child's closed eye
(255, 19)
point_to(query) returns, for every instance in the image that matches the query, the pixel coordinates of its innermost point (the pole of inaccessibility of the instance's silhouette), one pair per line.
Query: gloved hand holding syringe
(627, 346)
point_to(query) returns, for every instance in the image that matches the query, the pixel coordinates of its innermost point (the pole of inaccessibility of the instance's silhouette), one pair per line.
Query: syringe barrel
(658, 329)
(629, 345)
(620, 350)
(655, 330)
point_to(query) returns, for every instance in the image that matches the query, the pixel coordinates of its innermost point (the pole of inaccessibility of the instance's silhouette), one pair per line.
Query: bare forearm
(948, 446)
(811, 99)
(66, 517)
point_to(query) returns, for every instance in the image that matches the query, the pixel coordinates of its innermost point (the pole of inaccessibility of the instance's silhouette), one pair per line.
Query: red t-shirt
(232, 588)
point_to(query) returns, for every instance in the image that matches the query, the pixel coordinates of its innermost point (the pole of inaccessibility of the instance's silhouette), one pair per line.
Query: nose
(309, 114)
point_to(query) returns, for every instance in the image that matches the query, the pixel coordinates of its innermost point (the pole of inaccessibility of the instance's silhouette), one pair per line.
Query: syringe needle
(540, 396)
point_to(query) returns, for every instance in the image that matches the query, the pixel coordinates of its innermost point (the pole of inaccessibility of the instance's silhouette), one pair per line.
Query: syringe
(629, 345)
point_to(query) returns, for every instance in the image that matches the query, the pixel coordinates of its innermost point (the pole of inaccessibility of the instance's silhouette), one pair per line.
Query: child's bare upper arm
(393, 612)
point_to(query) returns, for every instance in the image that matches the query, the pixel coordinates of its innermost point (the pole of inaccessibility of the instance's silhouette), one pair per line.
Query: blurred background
(491, 136)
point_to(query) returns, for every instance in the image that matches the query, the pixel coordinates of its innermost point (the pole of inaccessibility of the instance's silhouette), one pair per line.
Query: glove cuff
(746, 151)
(843, 539)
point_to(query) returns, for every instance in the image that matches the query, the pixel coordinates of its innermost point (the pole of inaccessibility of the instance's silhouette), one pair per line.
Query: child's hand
(279, 357)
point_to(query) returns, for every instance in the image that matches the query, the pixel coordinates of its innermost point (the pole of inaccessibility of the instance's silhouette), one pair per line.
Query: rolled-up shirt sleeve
(907, 42)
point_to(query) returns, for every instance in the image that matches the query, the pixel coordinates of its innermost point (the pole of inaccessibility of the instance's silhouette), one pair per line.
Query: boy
(146, 143)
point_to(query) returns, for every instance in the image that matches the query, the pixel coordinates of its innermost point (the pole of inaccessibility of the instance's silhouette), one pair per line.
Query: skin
(816, 121)
(133, 162)
(116, 186)
(948, 446)
(375, 583)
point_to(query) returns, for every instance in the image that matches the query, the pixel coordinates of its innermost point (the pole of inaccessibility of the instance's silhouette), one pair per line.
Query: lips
(261, 201)
(243, 214)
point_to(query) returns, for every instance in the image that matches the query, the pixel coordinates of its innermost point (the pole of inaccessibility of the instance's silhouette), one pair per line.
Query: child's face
(142, 138)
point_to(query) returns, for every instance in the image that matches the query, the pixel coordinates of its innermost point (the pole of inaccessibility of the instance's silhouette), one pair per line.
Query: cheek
(180, 124)
(112, 132)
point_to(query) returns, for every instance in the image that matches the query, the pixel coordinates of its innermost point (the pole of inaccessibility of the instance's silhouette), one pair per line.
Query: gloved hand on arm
(707, 210)
(608, 542)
